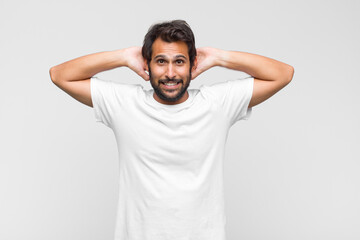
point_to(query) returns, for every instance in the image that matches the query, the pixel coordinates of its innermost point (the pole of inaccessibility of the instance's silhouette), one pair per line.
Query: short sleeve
(102, 96)
(109, 98)
(234, 97)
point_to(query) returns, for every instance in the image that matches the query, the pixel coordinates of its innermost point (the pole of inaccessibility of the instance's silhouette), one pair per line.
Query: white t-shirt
(171, 157)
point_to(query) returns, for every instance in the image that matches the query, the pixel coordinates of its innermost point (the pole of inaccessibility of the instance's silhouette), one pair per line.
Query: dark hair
(170, 31)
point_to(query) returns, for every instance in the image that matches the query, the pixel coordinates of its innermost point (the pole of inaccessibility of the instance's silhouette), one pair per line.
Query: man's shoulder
(227, 85)
(115, 84)
(214, 89)
(226, 89)
(115, 89)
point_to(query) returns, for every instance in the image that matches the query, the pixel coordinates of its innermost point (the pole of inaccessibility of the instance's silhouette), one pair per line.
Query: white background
(291, 170)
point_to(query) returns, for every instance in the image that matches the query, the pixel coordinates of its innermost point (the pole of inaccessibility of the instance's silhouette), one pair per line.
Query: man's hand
(206, 59)
(135, 61)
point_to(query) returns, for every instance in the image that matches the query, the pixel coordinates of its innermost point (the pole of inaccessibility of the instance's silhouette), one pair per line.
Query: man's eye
(160, 61)
(179, 61)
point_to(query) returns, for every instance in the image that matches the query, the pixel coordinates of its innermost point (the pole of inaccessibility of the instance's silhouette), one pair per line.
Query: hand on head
(205, 59)
(136, 62)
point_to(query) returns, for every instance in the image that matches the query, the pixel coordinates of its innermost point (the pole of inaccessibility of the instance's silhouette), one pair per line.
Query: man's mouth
(170, 84)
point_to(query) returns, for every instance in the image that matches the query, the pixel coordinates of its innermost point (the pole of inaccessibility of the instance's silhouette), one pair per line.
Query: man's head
(171, 31)
(170, 53)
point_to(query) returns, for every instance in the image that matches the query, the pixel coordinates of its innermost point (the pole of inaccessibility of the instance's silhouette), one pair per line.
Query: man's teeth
(170, 84)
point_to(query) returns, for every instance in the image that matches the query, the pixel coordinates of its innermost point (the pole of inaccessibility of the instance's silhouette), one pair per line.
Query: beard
(162, 94)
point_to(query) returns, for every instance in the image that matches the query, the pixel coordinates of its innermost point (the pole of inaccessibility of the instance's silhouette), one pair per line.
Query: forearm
(87, 66)
(255, 65)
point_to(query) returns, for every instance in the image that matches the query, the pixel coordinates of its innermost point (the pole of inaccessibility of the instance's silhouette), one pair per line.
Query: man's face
(169, 71)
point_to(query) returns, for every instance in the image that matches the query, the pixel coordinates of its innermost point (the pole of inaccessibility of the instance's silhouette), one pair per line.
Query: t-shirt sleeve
(102, 96)
(108, 98)
(234, 97)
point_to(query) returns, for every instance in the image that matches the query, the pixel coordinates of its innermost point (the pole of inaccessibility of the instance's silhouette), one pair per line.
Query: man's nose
(170, 73)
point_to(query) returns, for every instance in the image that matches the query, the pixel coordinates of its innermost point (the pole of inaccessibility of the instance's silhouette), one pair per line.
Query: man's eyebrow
(180, 56)
(160, 56)
(164, 56)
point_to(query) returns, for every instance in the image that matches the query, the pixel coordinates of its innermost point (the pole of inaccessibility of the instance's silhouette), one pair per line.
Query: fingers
(194, 74)
(141, 71)
(144, 75)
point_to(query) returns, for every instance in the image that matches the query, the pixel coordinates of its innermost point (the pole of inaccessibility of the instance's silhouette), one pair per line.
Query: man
(171, 139)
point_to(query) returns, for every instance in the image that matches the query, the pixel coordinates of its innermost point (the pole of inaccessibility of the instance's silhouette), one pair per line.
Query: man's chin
(170, 97)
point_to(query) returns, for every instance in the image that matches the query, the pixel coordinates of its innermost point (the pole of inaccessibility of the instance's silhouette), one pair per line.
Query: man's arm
(73, 76)
(269, 75)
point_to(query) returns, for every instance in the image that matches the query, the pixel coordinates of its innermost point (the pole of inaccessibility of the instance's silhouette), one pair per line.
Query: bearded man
(171, 139)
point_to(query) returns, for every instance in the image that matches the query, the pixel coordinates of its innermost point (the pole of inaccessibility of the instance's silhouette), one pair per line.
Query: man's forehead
(169, 49)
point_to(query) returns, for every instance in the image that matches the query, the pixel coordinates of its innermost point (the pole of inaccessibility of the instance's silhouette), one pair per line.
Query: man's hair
(170, 31)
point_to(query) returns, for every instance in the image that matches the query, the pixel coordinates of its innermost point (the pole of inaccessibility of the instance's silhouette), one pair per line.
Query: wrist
(120, 57)
(221, 57)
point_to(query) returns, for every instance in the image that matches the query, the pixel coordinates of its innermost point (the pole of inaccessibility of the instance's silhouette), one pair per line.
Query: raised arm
(73, 76)
(269, 75)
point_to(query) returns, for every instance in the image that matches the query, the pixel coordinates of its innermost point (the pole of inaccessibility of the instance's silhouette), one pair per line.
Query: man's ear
(146, 65)
(194, 65)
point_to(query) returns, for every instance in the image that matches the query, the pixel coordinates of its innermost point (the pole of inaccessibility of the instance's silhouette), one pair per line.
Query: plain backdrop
(291, 170)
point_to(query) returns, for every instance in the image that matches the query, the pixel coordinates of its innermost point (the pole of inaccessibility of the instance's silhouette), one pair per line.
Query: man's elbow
(289, 74)
(52, 73)
(286, 75)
